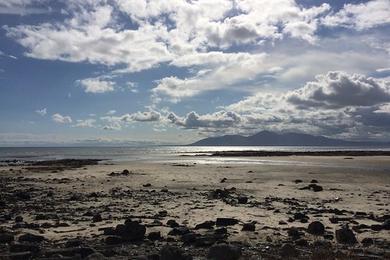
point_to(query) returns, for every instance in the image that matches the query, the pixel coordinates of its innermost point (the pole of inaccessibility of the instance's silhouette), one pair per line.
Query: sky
(175, 71)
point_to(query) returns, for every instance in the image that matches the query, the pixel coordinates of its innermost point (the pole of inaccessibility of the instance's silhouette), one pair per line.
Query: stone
(131, 231)
(288, 250)
(345, 236)
(367, 241)
(248, 227)
(205, 225)
(95, 256)
(23, 195)
(153, 236)
(294, 233)
(20, 247)
(97, 218)
(6, 238)
(316, 228)
(224, 252)
(173, 253)
(189, 238)
(172, 223)
(28, 237)
(242, 200)
(226, 221)
(18, 219)
(113, 240)
(386, 224)
(178, 231)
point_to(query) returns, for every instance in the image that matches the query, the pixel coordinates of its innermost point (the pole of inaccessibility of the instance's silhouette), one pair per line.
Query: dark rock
(156, 235)
(226, 221)
(294, 233)
(345, 236)
(131, 231)
(386, 224)
(302, 242)
(73, 243)
(97, 218)
(288, 250)
(178, 231)
(223, 180)
(172, 223)
(242, 200)
(113, 240)
(298, 181)
(189, 238)
(17, 248)
(316, 188)
(23, 195)
(220, 231)
(147, 185)
(125, 172)
(313, 181)
(316, 228)
(95, 256)
(18, 219)
(173, 253)
(299, 216)
(163, 213)
(205, 225)
(376, 227)
(367, 241)
(224, 252)
(164, 190)
(6, 238)
(28, 237)
(248, 227)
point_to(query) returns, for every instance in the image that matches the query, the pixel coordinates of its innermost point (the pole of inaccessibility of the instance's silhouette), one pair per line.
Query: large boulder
(173, 253)
(131, 231)
(28, 237)
(316, 228)
(224, 252)
(345, 236)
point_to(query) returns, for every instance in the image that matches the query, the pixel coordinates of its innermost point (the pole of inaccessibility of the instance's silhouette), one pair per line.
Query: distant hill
(267, 138)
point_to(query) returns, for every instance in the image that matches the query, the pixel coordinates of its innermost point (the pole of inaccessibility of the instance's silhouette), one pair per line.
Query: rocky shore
(83, 209)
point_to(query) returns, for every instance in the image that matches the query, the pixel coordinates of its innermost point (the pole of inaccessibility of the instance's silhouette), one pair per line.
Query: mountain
(267, 138)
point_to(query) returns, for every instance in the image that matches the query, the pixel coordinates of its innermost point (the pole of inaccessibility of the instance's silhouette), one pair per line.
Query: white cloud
(111, 112)
(96, 85)
(41, 112)
(58, 118)
(361, 16)
(87, 123)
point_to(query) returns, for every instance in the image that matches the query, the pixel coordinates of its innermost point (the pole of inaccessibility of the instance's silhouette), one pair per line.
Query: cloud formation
(58, 118)
(41, 112)
(96, 85)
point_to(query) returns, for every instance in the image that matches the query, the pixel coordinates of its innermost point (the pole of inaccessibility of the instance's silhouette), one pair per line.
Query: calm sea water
(145, 153)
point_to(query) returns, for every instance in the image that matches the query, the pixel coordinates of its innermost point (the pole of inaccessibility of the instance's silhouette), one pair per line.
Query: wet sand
(153, 210)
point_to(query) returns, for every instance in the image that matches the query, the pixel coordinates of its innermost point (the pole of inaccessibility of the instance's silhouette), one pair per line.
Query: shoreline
(296, 153)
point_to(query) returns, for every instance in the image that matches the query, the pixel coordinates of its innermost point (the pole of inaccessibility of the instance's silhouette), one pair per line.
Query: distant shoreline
(297, 153)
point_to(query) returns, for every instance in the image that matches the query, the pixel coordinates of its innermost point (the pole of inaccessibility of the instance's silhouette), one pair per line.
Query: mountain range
(267, 138)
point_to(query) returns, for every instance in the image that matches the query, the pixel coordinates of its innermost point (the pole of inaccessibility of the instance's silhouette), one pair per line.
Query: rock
(288, 250)
(131, 231)
(242, 200)
(316, 188)
(163, 213)
(147, 185)
(73, 243)
(224, 252)
(17, 248)
(226, 221)
(172, 223)
(386, 224)
(294, 233)
(302, 242)
(376, 227)
(97, 218)
(205, 225)
(6, 238)
(18, 219)
(316, 228)
(220, 231)
(345, 236)
(178, 231)
(282, 222)
(28, 237)
(23, 195)
(113, 240)
(189, 238)
(164, 190)
(313, 181)
(223, 180)
(248, 227)
(367, 241)
(95, 256)
(173, 253)
(156, 235)
(125, 172)
(298, 181)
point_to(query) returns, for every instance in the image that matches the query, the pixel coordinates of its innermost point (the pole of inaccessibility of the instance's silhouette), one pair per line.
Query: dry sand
(65, 205)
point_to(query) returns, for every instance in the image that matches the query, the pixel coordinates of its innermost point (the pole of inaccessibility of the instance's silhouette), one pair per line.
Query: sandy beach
(298, 207)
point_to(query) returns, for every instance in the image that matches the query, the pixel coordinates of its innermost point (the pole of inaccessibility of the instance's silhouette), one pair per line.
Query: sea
(172, 154)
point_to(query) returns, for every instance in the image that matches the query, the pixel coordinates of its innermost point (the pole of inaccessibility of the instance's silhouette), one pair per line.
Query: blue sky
(118, 71)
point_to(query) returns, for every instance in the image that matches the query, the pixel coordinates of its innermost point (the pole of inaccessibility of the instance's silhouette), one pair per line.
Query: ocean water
(147, 153)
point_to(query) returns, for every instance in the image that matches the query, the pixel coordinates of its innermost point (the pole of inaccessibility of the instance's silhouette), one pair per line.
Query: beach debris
(224, 252)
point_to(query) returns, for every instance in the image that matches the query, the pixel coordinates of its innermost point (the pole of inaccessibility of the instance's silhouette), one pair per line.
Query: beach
(302, 207)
